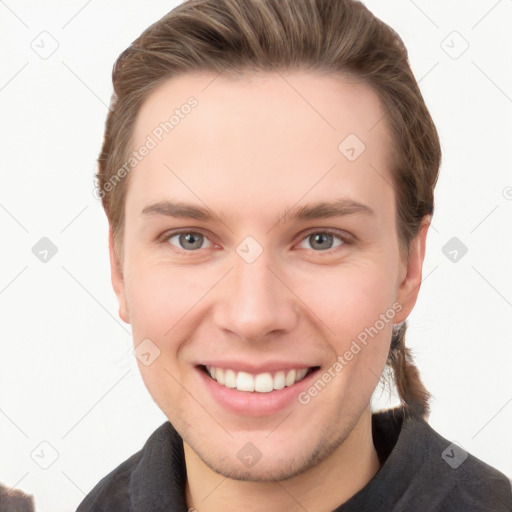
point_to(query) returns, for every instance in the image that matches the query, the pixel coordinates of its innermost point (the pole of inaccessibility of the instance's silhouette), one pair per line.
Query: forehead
(284, 135)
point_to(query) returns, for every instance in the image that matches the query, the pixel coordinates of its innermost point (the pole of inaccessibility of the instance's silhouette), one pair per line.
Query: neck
(322, 488)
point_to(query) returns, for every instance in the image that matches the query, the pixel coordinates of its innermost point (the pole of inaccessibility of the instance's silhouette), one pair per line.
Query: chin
(269, 460)
(262, 471)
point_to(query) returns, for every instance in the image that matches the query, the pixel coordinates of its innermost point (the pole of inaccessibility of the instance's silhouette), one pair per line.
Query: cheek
(351, 298)
(357, 309)
(160, 297)
(360, 309)
(161, 301)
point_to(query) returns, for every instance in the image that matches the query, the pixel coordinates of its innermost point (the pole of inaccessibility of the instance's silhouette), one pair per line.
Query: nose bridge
(254, 283)
(255, 302)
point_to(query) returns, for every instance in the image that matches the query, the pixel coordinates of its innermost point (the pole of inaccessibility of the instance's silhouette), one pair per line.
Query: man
(268, 171)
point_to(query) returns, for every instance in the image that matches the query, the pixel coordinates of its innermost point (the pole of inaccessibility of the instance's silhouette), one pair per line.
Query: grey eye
(188, 241)
(322, 241)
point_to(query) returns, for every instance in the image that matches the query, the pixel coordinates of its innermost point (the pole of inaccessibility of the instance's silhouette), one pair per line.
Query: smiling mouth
(260, 383)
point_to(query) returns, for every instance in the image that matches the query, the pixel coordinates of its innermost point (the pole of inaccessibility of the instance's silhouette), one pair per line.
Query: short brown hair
(329, 36)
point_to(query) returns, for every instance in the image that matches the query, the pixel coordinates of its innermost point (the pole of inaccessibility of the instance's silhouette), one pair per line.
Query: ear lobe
(117, 278)
(409, 286)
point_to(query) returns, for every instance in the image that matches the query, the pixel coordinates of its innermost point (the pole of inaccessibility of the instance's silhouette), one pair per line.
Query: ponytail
(411, 390)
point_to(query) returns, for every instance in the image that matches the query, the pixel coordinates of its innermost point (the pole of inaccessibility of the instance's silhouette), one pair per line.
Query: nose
(256, 303)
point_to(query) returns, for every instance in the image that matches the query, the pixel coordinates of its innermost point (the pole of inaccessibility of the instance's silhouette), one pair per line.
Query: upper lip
(255, 369)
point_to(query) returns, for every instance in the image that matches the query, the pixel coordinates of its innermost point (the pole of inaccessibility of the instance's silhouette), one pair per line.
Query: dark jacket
(420, 472)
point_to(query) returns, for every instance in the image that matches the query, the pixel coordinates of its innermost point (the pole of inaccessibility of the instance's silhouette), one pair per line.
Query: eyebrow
(321, 210)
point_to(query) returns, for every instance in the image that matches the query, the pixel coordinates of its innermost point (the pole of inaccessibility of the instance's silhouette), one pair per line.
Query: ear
(117, 278)
(410, 273)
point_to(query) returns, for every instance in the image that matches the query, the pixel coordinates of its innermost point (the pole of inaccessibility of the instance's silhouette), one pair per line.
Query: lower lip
(253, 403)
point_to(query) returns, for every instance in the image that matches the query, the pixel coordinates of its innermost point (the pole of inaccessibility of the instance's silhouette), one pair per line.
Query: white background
(67, 375)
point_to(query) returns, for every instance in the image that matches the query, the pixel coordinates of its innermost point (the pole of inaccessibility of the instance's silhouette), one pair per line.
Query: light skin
(253, 149)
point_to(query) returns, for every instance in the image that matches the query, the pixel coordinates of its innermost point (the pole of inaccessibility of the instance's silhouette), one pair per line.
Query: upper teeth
(262, 383)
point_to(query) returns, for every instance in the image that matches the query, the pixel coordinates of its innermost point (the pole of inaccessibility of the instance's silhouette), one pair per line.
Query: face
(261, 269)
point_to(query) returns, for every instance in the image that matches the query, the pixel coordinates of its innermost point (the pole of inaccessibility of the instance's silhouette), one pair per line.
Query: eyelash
(346, 239)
